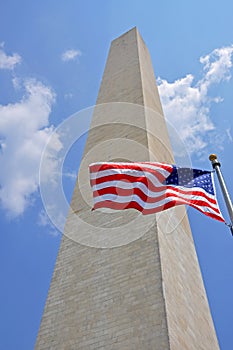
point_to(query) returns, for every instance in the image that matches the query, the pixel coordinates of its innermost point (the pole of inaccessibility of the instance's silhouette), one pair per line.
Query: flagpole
(216, 166)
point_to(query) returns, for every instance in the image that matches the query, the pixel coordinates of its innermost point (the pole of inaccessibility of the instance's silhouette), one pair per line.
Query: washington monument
(123, 280)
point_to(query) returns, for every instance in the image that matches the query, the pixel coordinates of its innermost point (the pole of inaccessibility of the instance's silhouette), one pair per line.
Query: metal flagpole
(216, 165)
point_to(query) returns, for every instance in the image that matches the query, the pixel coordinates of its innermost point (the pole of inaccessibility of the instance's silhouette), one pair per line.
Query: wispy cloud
(228, 131)
(187, 103)
(24, 131)
(44, 221)
(70, 175)
(70, 55)
(68, 96)
(8, 61)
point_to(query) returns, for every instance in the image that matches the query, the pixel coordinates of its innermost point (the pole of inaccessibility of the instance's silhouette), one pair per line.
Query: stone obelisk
(111, 289)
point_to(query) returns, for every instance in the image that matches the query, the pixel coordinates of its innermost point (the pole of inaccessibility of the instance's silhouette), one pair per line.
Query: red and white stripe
(140, 186)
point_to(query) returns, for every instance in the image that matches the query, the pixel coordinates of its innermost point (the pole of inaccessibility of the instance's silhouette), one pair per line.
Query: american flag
(152, 187)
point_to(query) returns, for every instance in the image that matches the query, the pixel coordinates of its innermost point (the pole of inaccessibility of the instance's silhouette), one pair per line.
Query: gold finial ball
(212, 157)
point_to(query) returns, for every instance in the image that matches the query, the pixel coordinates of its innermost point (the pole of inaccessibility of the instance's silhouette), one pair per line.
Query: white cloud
(8, 62)
(24, 131)
(186, 103)
(70, 55)
(217, 65)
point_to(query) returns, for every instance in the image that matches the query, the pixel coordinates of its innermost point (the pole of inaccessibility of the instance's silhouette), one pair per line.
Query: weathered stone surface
(147, 294)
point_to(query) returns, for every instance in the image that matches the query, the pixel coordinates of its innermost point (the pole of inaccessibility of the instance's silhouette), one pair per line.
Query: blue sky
(52, 56)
